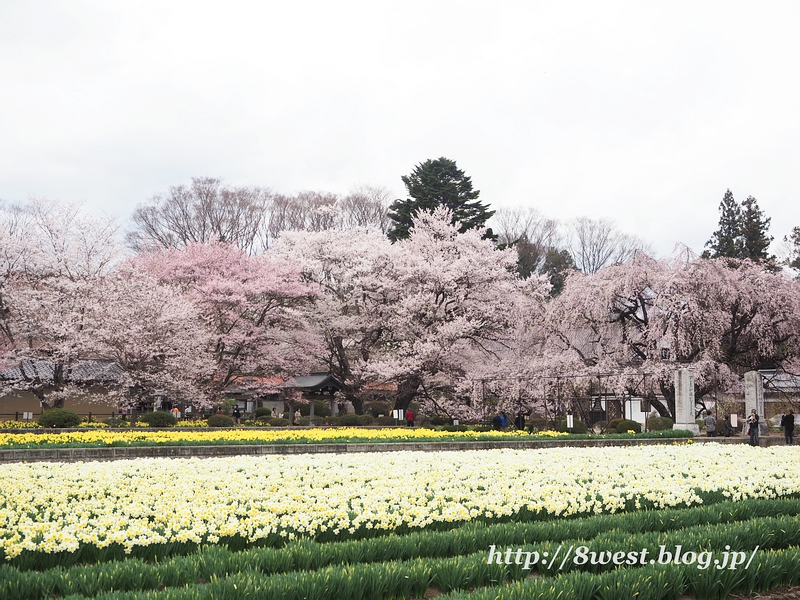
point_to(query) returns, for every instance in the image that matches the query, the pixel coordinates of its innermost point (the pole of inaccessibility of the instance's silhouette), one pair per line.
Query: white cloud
(637, 111)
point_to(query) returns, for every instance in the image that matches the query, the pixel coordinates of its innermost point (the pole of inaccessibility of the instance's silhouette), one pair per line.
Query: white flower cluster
(52, 507)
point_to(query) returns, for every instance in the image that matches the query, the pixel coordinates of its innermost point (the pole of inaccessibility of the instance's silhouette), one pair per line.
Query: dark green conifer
(726, 241)
(437, 183)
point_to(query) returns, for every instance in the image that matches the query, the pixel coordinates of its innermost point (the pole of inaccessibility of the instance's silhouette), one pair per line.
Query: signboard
(27, 416)
(398, 414)
(734, 420)
(570, 422)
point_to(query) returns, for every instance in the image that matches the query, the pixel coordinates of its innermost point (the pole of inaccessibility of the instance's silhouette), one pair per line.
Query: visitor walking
(236, 414)
(504, 422)
(711, 425)
(752, 423)
(727, 429)
(410, 417)
(787, 422)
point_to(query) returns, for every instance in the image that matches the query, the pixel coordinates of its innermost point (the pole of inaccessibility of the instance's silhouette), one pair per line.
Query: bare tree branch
(202, 212)
(597, 243)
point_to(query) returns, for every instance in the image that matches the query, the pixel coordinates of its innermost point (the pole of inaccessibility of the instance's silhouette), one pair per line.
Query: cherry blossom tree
(252, 303)
(612, 323)
(15, 251)
(718, 318)
(53, 263)
(353, 271)
(741, 315)
(458, 300)
(157, 338)
(428, 314)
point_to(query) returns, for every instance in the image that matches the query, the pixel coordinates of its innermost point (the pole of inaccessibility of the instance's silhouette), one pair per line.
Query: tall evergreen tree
(754, 228)
(437, 183)
(557, 265)
(727, 240)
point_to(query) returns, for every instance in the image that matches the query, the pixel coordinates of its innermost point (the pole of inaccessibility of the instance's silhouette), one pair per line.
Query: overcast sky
(642, 112)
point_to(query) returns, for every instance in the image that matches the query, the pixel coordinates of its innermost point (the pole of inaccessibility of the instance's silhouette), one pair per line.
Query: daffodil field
(393, 525)
(229, 437)
(137, 437)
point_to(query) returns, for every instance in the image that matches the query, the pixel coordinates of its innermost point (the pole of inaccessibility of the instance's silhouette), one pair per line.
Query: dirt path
(781, 593)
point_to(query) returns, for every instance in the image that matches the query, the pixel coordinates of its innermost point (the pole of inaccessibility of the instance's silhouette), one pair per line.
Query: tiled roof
(83, 371)
(780, 381)
(314, 382)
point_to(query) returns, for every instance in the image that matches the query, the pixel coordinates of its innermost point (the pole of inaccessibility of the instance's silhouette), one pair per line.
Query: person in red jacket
(410, 418)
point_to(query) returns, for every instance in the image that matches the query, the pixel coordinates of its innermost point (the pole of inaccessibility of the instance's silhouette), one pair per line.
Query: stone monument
(684, 401)
(754, 398)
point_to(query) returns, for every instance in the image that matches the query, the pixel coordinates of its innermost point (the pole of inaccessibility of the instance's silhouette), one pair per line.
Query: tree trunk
(666, 408)
(57, 400)
(339, 366)
(356, 400)
(60, 376)
(407, 391)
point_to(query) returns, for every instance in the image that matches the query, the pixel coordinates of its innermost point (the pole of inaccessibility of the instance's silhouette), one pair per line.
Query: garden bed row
(162, 451)
(457, 561)
(465, 524)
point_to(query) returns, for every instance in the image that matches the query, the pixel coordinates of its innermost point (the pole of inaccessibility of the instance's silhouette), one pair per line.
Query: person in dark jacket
(726, 426)
(787, 422)
(752, 424)
(519, 421)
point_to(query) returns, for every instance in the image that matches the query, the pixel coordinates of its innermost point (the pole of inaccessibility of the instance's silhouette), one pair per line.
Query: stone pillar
(684, 401)
(334, 407)
(754, 398)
